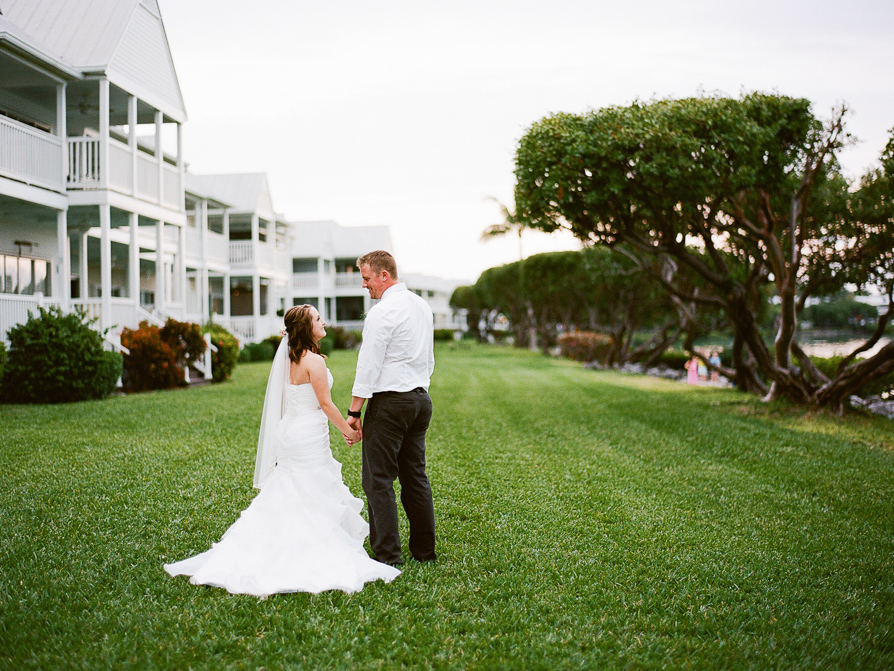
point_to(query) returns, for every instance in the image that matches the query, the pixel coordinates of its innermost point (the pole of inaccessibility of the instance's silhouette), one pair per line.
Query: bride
(303, 532)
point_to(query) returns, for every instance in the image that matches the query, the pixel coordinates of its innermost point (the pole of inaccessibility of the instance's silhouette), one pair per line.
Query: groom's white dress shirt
(397, 350)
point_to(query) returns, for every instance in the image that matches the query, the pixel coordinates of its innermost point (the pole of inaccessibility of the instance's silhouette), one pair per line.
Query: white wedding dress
(303, 532)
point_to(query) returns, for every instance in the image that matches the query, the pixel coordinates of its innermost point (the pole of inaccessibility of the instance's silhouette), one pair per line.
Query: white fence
(30, 155)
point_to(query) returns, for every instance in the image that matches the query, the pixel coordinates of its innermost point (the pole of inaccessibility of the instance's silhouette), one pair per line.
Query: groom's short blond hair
(378, 261)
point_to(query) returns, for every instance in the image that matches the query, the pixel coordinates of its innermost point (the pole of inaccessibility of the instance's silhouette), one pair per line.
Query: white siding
(143, 64)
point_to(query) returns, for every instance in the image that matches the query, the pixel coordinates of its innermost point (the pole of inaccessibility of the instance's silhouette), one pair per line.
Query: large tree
(744, 193)
(597, 289)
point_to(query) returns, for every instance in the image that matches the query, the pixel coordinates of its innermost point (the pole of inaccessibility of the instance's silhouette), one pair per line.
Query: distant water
(825, 349)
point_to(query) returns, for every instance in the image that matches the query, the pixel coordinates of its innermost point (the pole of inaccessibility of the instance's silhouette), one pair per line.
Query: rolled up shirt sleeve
(371, 359)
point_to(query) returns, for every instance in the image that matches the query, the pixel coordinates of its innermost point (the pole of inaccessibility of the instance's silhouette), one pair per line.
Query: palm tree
(513, 224)
(510, 224)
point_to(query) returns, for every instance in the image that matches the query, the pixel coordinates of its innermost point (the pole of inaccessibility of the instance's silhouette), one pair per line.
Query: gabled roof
(248, 192)
(329, 239)
(122, 39)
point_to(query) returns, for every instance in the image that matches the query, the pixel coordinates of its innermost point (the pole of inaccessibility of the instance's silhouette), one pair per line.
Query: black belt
(417, 390)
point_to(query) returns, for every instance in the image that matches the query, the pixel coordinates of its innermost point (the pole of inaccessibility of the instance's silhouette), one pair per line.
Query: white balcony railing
(241, 251)
(348, 280)
(83, 163)
(85, 171)
(30, 155)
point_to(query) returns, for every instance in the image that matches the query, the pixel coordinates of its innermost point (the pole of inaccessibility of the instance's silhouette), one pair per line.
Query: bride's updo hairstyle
(300, 332)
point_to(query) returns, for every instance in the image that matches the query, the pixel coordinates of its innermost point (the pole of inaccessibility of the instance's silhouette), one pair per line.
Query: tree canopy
(744, 194)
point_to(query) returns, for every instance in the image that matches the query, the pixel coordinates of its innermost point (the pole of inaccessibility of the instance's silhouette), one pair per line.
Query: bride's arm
(319, 380)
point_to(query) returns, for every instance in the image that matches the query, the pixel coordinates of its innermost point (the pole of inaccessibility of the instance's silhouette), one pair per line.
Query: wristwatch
(354, 413)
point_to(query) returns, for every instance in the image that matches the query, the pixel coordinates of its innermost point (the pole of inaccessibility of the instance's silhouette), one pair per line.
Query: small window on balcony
(304, 265)
(345, 265)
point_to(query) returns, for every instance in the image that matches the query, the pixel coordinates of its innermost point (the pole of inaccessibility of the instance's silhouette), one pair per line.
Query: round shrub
(258, 351)
(343, 338)
(585, 345)
(443, 335)
(58, 358)
(327, 344)
(153, 362)
(223, 361)
(185, 337)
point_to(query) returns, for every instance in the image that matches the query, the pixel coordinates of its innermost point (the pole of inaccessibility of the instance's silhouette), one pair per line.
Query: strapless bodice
(300, 398)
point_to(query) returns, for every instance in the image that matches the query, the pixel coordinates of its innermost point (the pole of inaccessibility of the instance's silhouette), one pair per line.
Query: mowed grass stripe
(586, 520)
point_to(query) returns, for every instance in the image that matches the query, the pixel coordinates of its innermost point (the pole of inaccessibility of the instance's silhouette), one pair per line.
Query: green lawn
(586, 520)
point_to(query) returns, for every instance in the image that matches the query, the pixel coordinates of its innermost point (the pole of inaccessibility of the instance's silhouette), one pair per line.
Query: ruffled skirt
(303, 531)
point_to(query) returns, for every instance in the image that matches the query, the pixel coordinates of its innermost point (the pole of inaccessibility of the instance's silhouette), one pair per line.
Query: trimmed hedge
(56, 357)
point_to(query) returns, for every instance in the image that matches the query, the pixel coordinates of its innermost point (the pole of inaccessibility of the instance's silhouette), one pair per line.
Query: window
(349, 309)
(345, 265)
(23, 275)
(307, 301)
(305, 265)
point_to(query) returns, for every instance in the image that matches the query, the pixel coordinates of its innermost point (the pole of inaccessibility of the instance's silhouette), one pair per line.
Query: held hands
(356, 435)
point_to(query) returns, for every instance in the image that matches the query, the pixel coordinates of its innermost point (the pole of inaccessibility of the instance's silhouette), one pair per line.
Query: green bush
(2, 362)
(223, 361)
(343, 338)
(258, 351)
(58, 358)
(327, 344)
(675, 359)
(443, 335)
(585, 346)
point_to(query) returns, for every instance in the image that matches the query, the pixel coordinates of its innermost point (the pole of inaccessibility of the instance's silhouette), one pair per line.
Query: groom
(394, 370)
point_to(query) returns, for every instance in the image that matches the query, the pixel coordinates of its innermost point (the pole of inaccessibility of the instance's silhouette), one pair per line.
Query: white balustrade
(173, 189)
(306, 280)
(243, 328)
(30, 155)
(120, 166)
(241, 251)
(15, 309)
(348, 280)
(147, 177)
(84, 171)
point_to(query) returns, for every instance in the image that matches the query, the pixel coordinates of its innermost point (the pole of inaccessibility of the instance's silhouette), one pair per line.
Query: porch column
(132, 142)
(160, 266)
(133, 252)
(256, 297)
(63, 261)
(180, 287)
(255, 241)
(83, 286)
(104, 137)
(226, 300)
(62, 132)
(181, 166)
(202, 217)
(105, 224)
(159, 156)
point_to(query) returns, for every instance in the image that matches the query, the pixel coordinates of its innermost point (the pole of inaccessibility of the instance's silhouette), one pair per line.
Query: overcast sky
(407, 112)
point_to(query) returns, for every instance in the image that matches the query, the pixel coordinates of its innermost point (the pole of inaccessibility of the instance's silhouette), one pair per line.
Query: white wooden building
(91, 215)
(97, 210)
(325, 275)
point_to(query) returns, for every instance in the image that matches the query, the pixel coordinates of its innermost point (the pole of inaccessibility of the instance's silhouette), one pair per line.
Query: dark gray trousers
(394, 427)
